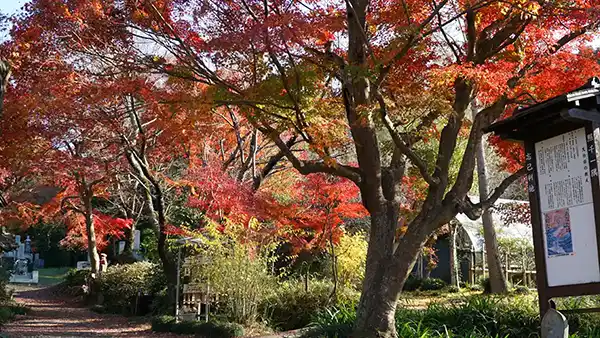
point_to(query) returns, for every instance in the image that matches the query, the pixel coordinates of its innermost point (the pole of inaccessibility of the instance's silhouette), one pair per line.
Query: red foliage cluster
(106, 227)
(320, 206)
(79, 69)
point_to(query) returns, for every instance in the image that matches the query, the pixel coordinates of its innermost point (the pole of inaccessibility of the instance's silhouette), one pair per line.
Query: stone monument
(22, 274)
(554, 325)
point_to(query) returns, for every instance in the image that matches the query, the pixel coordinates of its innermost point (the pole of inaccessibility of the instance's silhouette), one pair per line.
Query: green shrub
(76, 278)
(238, 268)
(74, 282)
(6, 314)
(430, 284)
(521, 290)
(9, 310)
(162, 323)
(451, 289)
(120, 285)
(412, 283)
(486, 285)
(291, 307)
(210, 329)
(18, 309)
(5, 293)
(161, 303)
(477, 317)
(475, 287)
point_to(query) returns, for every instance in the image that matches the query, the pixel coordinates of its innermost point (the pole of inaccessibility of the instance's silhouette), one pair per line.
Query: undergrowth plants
(473, 317)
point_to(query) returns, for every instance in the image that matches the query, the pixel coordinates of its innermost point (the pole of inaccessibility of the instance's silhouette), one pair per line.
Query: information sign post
(561, 138)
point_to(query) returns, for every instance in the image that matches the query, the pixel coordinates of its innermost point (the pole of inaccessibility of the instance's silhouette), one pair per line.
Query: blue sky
(10, 6)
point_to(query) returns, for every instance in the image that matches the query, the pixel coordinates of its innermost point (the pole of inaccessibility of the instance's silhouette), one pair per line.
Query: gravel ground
(54, 316)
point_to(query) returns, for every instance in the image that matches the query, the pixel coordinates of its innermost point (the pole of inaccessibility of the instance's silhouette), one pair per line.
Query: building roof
(567, 111)
(474, 229)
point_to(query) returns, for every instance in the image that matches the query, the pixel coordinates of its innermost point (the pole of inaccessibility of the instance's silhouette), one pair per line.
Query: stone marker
(136, 240)
(21, 251)
(83, 265)
(27, 245)
(554, 325)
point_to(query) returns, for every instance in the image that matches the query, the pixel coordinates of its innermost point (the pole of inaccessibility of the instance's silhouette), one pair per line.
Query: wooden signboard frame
(543, 121)
(545, 291)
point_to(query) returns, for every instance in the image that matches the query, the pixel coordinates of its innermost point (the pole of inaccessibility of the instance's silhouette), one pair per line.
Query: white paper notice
(562, 168)
(567, 213)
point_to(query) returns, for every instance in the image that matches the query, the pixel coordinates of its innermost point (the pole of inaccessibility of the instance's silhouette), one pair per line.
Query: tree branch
(474, 211)
(404, 149)
(268, 168)
(311, 167)
(71, 207)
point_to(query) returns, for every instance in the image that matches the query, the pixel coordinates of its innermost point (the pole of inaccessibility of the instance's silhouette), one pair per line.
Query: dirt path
(53, 316)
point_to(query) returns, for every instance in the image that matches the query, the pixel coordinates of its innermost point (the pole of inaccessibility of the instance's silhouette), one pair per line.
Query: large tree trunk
(385, 274)
(154, 209)
(497, 280)
(334, 270)
(91, 235)
(130, 233)
(5, 70)
(157, 218)
(163, 251)
(130, 239)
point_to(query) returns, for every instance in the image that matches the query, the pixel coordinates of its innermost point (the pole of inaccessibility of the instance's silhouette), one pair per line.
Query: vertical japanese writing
(591, 157)
(530, 172)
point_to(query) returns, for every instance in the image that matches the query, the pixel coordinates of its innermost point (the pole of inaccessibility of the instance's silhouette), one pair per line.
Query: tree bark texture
(130, 239)
(496, 275)
(5, 70)
(91, 233)
(154, 210)
(454, 274)
(394, 246)
(130, 233)
(385, 274)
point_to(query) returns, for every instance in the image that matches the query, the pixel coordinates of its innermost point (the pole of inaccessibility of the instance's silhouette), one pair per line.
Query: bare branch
(64, 206)
(414, 159)
(311, 167)
(273, 161)
(474, 211)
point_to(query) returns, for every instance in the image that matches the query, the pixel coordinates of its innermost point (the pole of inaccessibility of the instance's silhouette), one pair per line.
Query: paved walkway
(54, 316)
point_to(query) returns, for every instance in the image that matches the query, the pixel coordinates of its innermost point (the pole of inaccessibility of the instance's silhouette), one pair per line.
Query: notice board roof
(567, 111)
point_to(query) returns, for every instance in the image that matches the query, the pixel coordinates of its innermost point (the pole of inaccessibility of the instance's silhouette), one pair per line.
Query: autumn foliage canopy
(298, 114)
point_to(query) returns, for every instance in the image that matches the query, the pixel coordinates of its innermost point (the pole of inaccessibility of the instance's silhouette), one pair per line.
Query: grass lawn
(52, 276)
(420, 300)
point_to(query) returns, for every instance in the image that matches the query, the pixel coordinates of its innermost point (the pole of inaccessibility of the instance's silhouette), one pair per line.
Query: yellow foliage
(351, 255)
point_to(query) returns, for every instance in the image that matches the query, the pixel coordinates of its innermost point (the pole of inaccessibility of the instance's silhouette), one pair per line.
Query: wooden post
(483, 263)
(525, 282)
(208, 300)
(472, 268)
(177, 287)
(506, 265)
